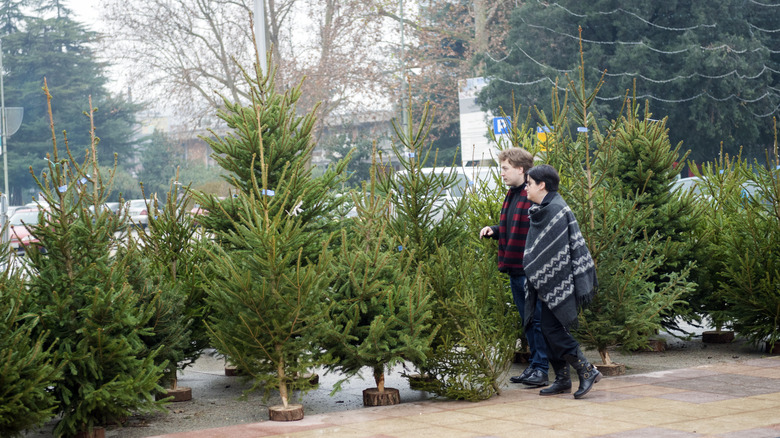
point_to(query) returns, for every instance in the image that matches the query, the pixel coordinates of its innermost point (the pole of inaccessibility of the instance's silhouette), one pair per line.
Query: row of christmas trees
(95, 327)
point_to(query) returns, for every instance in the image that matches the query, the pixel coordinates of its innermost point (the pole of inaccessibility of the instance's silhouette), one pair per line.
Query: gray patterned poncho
(558, 265)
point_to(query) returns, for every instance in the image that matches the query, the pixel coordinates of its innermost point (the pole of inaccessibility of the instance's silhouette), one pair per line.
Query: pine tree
(172, 252)
(270, 271)
(285, 150)
(27, 368)
(380, 314)
(83, 298)
(629, 300)
(646, 166)
(746, 260)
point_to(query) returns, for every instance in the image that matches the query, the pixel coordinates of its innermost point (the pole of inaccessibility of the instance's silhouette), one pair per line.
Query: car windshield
(28, 217)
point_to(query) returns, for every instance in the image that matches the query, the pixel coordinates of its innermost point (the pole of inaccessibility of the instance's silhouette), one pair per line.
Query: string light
(769, 92)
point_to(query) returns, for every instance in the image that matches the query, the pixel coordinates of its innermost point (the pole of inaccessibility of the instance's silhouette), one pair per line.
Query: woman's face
(536, 191)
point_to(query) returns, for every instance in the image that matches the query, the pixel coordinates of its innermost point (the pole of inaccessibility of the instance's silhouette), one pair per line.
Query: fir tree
(270, 271)
(167, 273)
(630, 299)
(748, 259)
(285, 149)
(381, 304)
(27, 368)
(84, 300)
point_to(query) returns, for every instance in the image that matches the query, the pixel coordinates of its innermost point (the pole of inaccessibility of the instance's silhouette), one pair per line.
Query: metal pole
(3, 127)
(260, 34)
(404, 117)
(4, 213)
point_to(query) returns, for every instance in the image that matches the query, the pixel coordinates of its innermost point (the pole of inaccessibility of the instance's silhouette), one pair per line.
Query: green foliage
(381, 304)
(480, 325)
(168, 275)
(705, 65)
(83, 299)
(266, 298)
(270, 269)
(422, 214)
(646, 166)
(748, 259)
(277, 163)
(27, 369)
(632, 293)
(343, 145)
(159, 159)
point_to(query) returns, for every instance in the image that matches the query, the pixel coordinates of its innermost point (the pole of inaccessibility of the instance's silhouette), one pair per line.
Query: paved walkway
(739, 399)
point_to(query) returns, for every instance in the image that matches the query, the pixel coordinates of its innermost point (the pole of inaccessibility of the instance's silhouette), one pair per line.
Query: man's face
(536, 191)
(513, 176)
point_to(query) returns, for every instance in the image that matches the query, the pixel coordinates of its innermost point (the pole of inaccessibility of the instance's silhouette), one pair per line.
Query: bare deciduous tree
(181, 51)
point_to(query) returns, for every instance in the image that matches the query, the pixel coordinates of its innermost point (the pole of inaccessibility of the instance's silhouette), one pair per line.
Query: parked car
(19, 228)
(137, 211)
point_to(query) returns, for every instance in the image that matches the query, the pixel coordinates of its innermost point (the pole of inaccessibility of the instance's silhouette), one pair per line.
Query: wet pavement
(736, 399)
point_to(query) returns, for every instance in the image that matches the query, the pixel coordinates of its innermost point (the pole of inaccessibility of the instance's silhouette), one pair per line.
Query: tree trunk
(281, 376)
(605, 359)
(379, 377)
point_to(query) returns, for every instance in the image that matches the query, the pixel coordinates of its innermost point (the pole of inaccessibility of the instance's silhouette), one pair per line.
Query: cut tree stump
(97, 432)
(290, 413)
(232, 370)
(372, 397)
(615, 369)
(717, 337)
(180, 394)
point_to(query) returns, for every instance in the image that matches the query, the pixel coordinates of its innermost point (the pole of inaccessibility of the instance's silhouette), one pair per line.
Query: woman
(560, 272)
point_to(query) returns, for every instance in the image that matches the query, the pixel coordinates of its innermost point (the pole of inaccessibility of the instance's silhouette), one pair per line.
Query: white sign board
(475, 147)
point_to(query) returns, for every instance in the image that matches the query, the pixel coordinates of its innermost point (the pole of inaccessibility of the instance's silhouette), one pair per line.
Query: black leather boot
(562, 383)
(587, 373)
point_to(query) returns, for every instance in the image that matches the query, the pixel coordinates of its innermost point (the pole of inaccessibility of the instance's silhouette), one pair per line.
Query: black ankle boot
(587, 373)
(562, 383)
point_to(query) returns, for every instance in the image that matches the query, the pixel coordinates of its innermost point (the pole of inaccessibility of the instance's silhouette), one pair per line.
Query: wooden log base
(372, 397)
(97, 432)
(290, 413)
(775, 350)
(615, 369)
(180, 394)
(232, 371)
(717, 337)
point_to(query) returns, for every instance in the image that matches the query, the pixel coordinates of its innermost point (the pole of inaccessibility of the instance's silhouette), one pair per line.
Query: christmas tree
(172, 252)
(380, 314)
(27, 369)
(270, 271)
(80, 288)
(630, 298)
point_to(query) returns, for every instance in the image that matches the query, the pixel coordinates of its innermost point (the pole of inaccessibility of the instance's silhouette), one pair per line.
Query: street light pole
(4, 126)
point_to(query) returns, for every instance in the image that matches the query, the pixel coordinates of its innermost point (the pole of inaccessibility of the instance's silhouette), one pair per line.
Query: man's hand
(486, 232)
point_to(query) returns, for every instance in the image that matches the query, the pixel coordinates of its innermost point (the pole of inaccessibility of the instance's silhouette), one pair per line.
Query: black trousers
(559, 341)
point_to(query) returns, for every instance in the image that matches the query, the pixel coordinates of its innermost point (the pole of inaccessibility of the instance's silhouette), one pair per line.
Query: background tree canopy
(51, 45)
(712, 67)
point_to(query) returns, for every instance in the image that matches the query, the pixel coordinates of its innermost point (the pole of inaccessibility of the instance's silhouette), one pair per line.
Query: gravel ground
(217, 399)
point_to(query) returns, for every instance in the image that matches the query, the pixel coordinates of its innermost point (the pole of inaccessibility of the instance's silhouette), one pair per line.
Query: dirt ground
(217, 398)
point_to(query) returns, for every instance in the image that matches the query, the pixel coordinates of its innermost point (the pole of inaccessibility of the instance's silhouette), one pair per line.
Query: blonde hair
(517, 157)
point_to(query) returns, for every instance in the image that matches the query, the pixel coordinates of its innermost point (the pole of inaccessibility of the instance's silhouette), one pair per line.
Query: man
(561, 275)
(511, 233)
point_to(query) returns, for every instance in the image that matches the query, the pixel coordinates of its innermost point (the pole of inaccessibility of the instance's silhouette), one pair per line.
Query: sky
(86, 11)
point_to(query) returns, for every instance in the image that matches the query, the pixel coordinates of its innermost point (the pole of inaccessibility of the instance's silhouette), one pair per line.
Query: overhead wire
(769, 93)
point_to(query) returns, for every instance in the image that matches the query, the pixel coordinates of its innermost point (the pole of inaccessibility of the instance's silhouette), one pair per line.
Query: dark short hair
(517, 157)
(544, 173)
